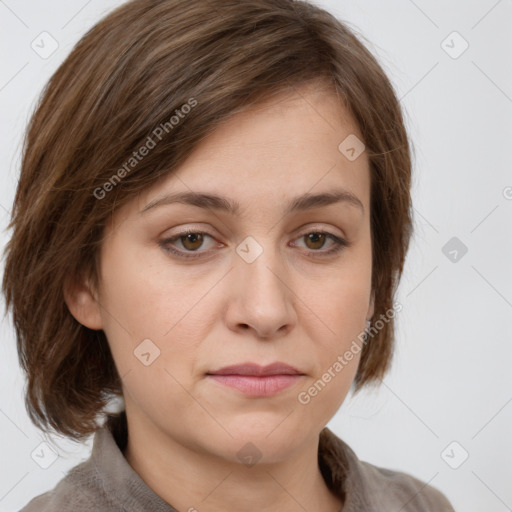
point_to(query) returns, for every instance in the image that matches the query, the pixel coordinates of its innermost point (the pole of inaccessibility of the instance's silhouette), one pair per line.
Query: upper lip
(257, 370)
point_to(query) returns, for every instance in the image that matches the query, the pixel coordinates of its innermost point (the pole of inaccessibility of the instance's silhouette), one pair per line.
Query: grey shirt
(106, 482)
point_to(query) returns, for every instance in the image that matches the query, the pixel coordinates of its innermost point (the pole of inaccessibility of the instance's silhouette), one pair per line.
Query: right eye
(191, 241)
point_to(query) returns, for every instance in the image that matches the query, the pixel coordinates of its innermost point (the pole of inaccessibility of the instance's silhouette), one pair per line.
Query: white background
(451, 377)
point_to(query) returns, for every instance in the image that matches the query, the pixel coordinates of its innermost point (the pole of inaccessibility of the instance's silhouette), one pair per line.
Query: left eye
(316, 240)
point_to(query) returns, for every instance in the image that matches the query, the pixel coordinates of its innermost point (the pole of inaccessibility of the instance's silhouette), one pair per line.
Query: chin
(264, 437)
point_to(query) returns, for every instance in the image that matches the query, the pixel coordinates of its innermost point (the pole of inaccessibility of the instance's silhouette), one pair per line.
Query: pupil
(316, 238)
(192, 239)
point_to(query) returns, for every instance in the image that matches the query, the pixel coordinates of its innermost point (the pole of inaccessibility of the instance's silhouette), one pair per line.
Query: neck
(191, 480)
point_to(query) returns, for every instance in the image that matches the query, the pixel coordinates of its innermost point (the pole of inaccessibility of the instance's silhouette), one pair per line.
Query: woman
(214, 205)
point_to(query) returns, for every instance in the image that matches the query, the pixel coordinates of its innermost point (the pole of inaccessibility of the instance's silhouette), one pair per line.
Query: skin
(216, 310)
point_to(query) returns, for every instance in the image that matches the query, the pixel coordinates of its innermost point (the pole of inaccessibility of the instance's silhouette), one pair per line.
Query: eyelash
(340, 244)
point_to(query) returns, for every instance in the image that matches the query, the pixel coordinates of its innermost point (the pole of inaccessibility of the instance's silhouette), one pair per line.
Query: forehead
(279, 148)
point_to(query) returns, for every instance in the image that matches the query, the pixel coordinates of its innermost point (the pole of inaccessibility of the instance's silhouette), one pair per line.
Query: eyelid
(318, 228)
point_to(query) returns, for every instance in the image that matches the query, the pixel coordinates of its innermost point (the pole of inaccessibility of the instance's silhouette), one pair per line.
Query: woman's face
(265, 283)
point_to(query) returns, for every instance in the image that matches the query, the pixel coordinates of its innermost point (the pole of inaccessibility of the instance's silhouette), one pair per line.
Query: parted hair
(129, 76)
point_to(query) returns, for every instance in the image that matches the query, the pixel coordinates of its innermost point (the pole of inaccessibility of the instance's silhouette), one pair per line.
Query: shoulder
(411, 493)
(369, 488)
(76, 492)
(56, 501)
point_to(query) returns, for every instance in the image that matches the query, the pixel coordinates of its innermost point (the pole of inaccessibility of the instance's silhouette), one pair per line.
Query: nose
(260, 298)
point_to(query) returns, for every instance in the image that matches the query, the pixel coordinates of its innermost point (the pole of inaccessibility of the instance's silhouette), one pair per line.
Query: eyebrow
(215, 202)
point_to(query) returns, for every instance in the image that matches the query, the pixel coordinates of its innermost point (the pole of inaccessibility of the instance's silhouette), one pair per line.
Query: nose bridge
(263, 299)
(257, 265)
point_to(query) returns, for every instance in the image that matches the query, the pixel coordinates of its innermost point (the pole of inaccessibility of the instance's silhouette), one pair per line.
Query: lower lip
(257, 386)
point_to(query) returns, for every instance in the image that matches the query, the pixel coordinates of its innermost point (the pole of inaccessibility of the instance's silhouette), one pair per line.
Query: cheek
(342, 311)
(133, 291)
(341, 306)
(341, 298)
(146, 298)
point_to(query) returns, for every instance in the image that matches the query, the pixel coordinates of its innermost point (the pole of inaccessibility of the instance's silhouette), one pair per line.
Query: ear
(371, 307)
(82, 302)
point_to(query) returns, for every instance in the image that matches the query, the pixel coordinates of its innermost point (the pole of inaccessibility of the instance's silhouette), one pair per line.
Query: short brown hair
(128, 75)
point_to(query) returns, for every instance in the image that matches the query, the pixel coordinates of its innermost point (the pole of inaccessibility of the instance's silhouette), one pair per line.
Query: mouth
(255, 380)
